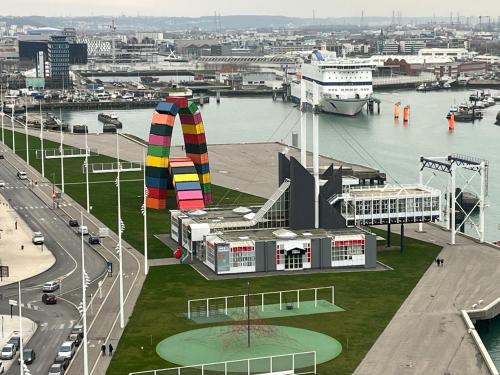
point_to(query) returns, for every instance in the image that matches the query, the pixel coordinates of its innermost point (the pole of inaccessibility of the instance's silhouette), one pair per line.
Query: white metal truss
(469, 169)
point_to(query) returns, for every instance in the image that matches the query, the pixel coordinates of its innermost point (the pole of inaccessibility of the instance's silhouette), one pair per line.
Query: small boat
(111, 118)
(491, 101)
(464, 113)
(446, 85)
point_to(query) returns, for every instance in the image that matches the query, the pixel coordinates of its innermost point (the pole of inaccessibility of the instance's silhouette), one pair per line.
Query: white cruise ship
(345, 85)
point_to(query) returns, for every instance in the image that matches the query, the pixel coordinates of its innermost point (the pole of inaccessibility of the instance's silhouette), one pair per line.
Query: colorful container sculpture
(188, 176)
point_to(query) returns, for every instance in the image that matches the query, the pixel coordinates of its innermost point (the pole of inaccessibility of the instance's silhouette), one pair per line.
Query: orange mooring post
(396, 110)
(406, 113)
(451, 122)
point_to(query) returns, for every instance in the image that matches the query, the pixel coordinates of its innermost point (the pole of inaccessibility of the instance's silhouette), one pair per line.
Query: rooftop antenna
(393, 21)
(113, 30)
(361, 24)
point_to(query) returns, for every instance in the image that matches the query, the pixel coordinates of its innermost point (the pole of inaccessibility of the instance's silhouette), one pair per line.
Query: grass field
(103, 194)
(369, 298)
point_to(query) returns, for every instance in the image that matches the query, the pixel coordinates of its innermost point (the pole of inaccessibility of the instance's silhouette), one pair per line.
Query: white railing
(55, 153)
(285, 364)
(262, 295)
(125, 166)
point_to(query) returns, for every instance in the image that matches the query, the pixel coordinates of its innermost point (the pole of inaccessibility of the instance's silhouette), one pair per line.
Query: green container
(154, 150)
(190, 109)
(206, 188)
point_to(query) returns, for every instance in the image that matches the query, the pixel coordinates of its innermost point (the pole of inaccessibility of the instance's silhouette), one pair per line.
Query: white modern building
(458, 54)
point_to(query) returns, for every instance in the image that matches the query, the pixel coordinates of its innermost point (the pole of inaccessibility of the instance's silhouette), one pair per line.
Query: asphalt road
(55, 321)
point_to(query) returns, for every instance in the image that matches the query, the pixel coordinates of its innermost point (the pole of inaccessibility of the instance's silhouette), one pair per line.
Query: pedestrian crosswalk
(44, 326)
(31, 306)
(21, 208)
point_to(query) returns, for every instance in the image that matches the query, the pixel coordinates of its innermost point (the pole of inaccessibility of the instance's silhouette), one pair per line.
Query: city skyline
(196, 8)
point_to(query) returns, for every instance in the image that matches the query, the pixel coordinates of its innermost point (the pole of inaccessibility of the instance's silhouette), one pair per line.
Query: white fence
(55, 153)
(125, 166)
(286, 364)
(242, 298)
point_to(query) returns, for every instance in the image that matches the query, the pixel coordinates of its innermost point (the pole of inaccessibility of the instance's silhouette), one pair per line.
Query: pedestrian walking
(103, 350)
(437, 261)
(442, 262)
(110, 348)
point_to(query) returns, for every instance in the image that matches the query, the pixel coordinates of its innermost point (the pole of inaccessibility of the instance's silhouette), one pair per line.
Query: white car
(38, 238)
(67, 349)
(83, 229)
(8, 351)
(50, 286)
(22, 175)
(2, 184)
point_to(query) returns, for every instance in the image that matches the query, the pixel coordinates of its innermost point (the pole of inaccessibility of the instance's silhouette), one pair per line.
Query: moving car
(2, 183)
(1, 156)
(83, 229)
(8, 351)
(38, 238)
(94, 240)
(22, 175)
(73, 223)
(50, 286)
(28, 356)
(78, 329)
(67, 350)
(49, 299)
(56, 369)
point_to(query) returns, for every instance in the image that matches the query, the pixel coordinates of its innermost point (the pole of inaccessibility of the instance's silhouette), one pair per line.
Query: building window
(242, 256)
(344, 250)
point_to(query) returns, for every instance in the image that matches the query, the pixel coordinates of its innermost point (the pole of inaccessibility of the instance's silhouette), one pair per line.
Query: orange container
(198, 158)
(157, 204)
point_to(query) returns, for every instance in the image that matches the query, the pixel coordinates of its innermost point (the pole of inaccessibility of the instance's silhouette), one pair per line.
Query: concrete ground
(427, 335)
(9, 328)
(24, 263)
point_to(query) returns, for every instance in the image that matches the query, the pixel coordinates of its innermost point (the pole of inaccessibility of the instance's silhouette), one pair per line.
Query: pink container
(188, 195)
(159, 140)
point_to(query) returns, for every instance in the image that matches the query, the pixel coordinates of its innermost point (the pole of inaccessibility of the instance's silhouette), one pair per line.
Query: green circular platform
(229, 343)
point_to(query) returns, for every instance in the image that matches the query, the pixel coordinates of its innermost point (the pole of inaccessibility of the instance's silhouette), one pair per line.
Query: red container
(180, 101)
(157, 193)
(191, 204)
(194, 139)
(191, 119)
(198, 158)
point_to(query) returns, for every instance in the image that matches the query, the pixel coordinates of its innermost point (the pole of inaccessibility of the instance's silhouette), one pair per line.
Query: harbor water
(374, 140)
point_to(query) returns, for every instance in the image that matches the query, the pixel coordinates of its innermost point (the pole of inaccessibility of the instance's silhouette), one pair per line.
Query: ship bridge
(373, 205)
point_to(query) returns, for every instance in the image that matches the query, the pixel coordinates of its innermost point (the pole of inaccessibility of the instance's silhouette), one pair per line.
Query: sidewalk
(24, 263)
(427, 335)
(10, 327)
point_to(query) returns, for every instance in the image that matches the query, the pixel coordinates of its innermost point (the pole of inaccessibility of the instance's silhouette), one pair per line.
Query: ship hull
(344, 107)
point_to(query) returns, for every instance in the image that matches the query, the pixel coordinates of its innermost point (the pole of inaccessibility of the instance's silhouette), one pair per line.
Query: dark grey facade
(58, 57)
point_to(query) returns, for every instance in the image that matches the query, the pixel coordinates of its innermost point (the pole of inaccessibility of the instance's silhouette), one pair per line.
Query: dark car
(73, 223)
(78, 329)
(76, 337)
(28, 356)
(63, 361)
(1, 156)
(16, 341)
(93, 240)
(49, 299)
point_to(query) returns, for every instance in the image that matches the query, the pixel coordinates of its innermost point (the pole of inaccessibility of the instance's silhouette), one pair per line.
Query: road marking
(61, 326)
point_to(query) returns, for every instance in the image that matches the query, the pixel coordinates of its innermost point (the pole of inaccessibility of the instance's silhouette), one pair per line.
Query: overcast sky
(323, 8)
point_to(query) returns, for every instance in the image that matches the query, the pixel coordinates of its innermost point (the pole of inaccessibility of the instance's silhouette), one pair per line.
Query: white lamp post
(21, 358)
(13, 132)
(121, 227)
(85, 280)
(87, 170)
(62, 154)
(41, 140)
(144, 213)
(26, 133)
(2, 114)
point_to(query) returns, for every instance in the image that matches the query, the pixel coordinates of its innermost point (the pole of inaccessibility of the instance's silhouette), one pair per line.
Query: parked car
(28, 356)
(22, 175)
(50, 286)
(78, 329)
(2, 368)
(8, 351)
(16, 341)
(38, 238)
(83, 229)
(63, 361)
(67, 349)
(2, 183)
(2, 156)
(73, 223)
(49, 299)
(94, 240)
(56, 369)
(76, 338)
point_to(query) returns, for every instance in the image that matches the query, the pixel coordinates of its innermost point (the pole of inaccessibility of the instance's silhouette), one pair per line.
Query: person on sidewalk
(110, 349)
(442, 262)
(103, 350)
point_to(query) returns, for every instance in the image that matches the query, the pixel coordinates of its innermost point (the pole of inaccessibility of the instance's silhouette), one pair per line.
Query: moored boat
(111, 119)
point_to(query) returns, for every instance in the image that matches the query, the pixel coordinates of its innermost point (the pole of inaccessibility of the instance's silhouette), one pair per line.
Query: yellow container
(193, 129)
(205, 178)
(156, 161)
(189, 177)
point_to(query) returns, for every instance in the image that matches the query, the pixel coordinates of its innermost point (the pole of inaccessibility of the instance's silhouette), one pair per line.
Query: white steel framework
(125, 166)
(469, 169)
(55, 153)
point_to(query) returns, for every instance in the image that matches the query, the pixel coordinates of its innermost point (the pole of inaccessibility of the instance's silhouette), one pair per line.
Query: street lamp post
(87, 169)
(21, 365)
(26, 133)
(13, 132)
(41, 140)
(62, 154)
(120, 229)
(144, 213)
(84, 304)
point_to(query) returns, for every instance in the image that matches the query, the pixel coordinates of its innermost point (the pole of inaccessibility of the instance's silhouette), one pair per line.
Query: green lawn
(369, 298)
(103, 194)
